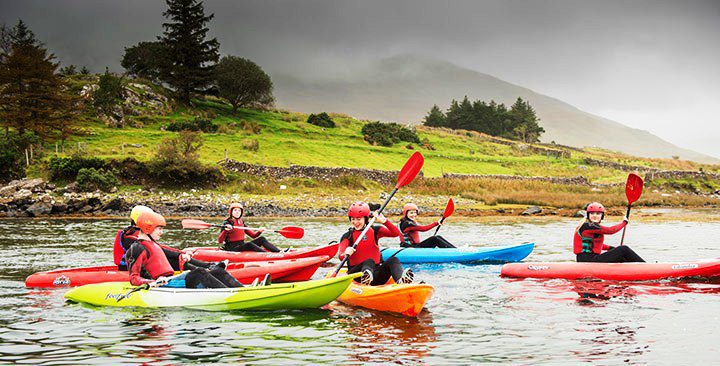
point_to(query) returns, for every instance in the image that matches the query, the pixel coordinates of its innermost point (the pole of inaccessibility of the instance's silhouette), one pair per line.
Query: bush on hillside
(90, 179)
(177, 163)
(109, 92)
(12, 165)
(198, 124)
(388, 134)
(250, 126)
(68, 168)
(322, 120)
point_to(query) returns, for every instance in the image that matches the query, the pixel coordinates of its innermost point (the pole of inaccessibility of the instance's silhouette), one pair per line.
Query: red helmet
(409, 207)
(236, 205)
(359, 209)
(595, 207)
(147, 221)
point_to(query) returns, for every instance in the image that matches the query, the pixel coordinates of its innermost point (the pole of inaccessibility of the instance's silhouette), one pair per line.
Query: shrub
(251, 145)
(12, 165)
(322, 120)
(68, 168)
(90, 179)
(198, 124)
(182, 149)
(250, 126)
(109, 92)
(388, 134)
(184, 175)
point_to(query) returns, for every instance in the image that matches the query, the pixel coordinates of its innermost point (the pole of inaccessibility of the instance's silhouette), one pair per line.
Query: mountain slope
(403, 89)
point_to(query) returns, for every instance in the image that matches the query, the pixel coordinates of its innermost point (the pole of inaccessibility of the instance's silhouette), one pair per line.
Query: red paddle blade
(195, 224)
(449, 209)
(633, 187)
(292, 232)
(410, 169)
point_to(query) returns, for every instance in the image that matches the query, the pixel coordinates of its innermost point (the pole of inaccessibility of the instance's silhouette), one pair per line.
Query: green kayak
(297, 295)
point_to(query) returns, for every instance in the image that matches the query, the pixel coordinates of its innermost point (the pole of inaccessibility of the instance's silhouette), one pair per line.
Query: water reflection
(378, 337)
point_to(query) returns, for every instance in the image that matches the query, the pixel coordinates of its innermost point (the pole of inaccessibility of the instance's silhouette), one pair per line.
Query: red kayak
(613, 271)
(287, 270)
(215, 254)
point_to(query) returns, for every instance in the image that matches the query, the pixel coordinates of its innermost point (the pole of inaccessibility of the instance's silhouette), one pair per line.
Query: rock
(533, 210)
(500, 210)
(86, 209)
(59, 208)
(50, 186)
(39, 208)
(113, 189)
(94, 201)
(116, 204)
(34, 185)
(72, 188)
(21, 195)
(553, 212)
(3, 208)
(186, 208)
(580, 213)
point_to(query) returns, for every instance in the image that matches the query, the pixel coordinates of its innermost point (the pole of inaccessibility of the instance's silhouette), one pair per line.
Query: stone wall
(312, 172)
(579, 180)
(619, 166)
(679, 174)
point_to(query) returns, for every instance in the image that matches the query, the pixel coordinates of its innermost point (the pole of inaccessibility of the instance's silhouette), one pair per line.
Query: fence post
(56, 148)
(122, 148)
(226, 155)
(27, 158)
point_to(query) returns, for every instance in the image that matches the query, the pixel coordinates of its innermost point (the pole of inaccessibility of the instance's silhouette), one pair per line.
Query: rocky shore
(37, 198)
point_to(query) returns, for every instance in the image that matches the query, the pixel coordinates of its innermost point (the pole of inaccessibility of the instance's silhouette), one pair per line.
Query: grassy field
(286, 138)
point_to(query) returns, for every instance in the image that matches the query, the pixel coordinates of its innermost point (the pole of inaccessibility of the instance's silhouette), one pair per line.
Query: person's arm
(388, 230)
(605, 230)
(254, 234)
(420, 228)
(135, 278)
(344, 244)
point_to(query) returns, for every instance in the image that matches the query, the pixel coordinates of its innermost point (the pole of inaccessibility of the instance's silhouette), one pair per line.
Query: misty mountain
(404, 88)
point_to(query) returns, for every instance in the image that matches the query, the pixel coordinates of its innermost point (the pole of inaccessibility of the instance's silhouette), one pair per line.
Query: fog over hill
(404, 88)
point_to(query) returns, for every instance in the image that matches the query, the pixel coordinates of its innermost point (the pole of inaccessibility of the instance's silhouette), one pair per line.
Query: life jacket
(155, 264)
(123, 239)
(234, 235)
(587, 243)
(367, 248)
(410, 238)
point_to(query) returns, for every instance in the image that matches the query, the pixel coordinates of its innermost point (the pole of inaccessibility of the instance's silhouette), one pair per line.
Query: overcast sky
(651, 65)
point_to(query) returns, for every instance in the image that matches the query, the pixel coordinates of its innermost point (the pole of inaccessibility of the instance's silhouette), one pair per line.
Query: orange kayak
(406, 299)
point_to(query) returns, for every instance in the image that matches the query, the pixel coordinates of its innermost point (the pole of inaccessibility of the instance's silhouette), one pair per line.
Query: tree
(84, 71)
(190, 56)
(525, 125)
(243, 83)
(145, 60)
(31, 93)
(435, 118)
(68, 70)
(109, 92)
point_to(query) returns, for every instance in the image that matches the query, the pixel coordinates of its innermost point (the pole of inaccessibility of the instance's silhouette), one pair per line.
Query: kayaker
(588, 243)
(148, 263)
(129, 235)
(125, 237)
(234, 239)
(366, 256)
(411, 231)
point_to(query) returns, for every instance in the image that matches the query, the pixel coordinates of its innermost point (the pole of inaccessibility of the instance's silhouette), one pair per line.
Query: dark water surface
(474, 317)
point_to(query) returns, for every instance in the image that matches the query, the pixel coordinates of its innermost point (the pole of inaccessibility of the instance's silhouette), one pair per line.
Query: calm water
(474, 317)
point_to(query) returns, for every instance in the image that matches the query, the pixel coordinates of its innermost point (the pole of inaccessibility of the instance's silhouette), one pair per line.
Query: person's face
(595, 216)
(236, 212)
(158, 232)
(412, 214)
(357, 222)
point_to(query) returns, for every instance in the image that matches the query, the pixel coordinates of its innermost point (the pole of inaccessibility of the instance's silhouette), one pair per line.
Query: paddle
(449, 209)
(407, 174)
(633, 190)
(290, 232)
(144, 286)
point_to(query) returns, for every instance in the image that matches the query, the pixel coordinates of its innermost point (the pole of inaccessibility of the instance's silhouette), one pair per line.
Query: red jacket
(368, 247)
(595, 233)
(147, 255)
(411, 231)
(235, 235)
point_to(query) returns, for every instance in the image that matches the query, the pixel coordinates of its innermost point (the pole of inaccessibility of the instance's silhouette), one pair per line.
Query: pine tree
(31, 92)
(435, 118)
(191, 55)
(525, 125)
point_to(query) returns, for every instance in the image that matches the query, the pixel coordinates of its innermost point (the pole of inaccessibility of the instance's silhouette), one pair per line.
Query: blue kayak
(513, 253)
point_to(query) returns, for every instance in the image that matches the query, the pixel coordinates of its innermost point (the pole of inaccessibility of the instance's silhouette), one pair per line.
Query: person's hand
(380, 218)
(261, 229)
(186, 256)
(626, 219)
(160, 281)
(610, 247)
(440, 223)
(349, 251)
(228, 227)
